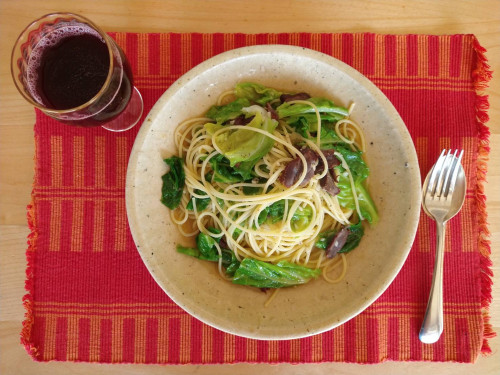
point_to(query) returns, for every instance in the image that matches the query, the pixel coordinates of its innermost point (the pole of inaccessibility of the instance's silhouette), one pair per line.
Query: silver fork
(443, 194)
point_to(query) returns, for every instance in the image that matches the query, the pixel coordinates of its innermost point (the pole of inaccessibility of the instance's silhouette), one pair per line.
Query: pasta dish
(271, 185)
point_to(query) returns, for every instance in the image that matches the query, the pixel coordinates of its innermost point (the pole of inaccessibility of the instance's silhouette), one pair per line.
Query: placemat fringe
(29, 284)
(482, 75)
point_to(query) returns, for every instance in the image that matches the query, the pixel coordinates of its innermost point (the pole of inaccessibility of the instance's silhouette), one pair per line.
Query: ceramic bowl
(299, 311)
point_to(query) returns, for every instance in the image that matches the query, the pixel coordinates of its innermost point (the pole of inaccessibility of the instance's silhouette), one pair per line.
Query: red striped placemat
(90, 297)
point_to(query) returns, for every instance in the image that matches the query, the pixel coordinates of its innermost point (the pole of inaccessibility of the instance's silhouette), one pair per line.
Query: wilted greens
(243, 132)
(173, 183)
(260, 274)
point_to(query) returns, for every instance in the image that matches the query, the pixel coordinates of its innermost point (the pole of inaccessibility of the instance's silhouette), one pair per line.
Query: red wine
(70, 66)
(73, 72)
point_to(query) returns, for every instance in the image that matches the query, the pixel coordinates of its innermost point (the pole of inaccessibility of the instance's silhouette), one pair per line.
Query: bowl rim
(242, 52)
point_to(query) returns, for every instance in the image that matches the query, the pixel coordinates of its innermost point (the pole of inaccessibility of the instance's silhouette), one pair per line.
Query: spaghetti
(238, 196)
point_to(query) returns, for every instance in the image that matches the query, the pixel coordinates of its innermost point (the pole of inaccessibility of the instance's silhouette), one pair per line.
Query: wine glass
(66, 66)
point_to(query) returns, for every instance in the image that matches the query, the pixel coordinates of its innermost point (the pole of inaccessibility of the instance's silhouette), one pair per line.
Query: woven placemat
(90, 297)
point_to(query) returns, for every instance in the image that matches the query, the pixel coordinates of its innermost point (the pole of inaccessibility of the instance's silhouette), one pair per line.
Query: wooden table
(481, 18)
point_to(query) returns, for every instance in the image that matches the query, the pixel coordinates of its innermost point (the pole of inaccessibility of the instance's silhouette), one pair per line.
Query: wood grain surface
(481, 18)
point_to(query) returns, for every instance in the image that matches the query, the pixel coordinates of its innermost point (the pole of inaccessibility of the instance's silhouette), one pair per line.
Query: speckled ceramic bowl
(298, 311)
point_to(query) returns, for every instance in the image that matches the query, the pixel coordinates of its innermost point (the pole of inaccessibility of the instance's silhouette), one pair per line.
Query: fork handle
(432, 326)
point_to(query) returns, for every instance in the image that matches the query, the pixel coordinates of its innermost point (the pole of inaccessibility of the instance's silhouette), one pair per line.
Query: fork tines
(444, 174)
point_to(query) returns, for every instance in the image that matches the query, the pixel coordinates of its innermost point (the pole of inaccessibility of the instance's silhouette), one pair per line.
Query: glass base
(130, 116)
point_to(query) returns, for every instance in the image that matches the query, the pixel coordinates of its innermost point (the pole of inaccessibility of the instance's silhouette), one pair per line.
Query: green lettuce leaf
(346, 199)
(253, 190)
(206, 249)
(329, 138)
(211, 127)
(259, 274)
(288, 109)
(245, 168)
(173, 183)
(191, 251)
(356, 232)
(354, 160)
(229, 262)
(277, 211)
(366, 205)
(206, 246)
(273, 213)
(256, 93)
(201, 203)
(301, 218)
(245, 146)
(223, 172)
(360, 172)
(223, 113)
(309, 122)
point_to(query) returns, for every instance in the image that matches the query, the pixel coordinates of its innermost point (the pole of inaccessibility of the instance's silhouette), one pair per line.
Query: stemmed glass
(66, 66)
